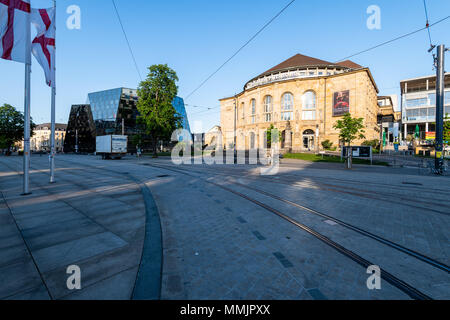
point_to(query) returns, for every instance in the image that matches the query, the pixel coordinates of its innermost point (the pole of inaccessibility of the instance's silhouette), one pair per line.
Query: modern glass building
(178, 104)
(81, 133)
(114, 109)
(114, 112)
(419, 104)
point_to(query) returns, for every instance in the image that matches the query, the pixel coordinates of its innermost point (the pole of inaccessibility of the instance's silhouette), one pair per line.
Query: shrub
(327, 145)
(372, 143)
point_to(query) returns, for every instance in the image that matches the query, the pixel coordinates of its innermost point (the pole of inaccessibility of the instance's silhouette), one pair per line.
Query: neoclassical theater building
(302, 97)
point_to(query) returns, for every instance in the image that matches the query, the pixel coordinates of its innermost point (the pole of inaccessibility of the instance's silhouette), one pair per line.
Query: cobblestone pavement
(218, 245)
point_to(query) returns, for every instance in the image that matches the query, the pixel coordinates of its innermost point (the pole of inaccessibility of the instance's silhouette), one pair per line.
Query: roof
(349, 64)
(300, 60)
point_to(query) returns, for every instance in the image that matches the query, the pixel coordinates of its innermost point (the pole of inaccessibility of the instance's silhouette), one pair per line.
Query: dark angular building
(81, 133)
(110, 112)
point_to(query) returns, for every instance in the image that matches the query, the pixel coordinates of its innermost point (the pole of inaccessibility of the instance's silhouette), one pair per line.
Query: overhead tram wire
(241, 48)
(428, 23)
(126, 38)
(393, 40)
(360, 52)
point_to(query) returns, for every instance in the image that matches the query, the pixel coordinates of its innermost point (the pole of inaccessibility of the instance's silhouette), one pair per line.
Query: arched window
(243, 110)
(253, 113)
(287, 105)
(309, 105)
(268, 108)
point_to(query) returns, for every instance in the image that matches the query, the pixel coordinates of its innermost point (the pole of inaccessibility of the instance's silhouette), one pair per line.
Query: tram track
(411, 291)
(369, 194)
(390, 278)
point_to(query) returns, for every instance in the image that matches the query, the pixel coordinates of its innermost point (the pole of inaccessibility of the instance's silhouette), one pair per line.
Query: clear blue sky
(195, 36)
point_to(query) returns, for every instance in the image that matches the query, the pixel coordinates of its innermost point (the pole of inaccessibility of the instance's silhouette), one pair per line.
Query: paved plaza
(148, 229)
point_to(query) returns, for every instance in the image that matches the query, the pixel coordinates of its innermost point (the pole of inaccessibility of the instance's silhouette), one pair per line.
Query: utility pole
(440, 83)
(235, 121)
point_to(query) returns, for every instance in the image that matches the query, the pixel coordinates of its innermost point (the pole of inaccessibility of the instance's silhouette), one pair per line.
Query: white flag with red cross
(43, 46)
(15, 30)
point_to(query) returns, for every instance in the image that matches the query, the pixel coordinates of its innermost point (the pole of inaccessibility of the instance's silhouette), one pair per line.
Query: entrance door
(309, 140)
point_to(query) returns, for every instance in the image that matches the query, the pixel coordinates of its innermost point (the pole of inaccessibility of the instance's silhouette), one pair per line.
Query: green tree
(269, 136)
(447, 129)
(350, 129)
(157, 114)
(11, 127)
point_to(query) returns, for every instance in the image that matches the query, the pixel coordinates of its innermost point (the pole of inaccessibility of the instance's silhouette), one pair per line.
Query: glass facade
(112, 112)
(423, 109)
(81, 133)
(178, 104)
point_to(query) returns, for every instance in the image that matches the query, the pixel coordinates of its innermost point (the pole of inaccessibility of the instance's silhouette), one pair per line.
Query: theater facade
(302, 97)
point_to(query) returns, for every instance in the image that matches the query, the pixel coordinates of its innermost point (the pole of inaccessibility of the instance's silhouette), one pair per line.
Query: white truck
(111, 146)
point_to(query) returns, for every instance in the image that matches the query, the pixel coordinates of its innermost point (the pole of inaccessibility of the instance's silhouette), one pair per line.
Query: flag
(43, 46)
(15, 30)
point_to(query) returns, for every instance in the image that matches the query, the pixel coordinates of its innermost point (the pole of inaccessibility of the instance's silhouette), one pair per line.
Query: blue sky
(194, 37)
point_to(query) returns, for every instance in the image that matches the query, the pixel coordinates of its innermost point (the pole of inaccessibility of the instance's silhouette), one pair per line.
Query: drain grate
(412, 183)
(163, 176)
(282, 259)
(241, 220)
(258, 235)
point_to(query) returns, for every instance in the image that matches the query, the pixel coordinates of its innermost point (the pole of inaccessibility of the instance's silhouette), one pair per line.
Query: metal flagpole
(27, 122)
(53, 107)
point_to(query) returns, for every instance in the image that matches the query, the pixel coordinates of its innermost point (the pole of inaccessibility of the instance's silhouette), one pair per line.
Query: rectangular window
(411, 103)
(286, 116)
(309, 115)
(268, 117)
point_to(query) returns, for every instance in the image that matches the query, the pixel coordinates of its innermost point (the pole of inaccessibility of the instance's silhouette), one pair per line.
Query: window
(287, 106)
(410, 103)
(309, 105)
(243, 110)
(253, 104)
(268, 108)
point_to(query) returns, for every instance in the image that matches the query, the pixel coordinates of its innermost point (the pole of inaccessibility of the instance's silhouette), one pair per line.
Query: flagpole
(27, 122)
(26, 147)
(53, 107)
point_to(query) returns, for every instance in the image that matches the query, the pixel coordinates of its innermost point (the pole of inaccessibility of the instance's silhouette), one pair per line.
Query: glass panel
(416, 102)
(287, 102)
(286, 116)
(309, 100)
(309, 115)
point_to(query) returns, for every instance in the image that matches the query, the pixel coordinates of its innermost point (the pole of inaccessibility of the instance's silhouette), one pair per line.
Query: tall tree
(156, 94)
(447, 129)
(11, 127)
(275, 138)
(350, 129)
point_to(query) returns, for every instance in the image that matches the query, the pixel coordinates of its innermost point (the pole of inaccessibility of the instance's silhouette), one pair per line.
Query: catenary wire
(126, 38)
(240, 49)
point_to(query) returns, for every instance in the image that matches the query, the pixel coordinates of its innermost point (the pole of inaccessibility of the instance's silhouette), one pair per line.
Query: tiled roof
(300, 60)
